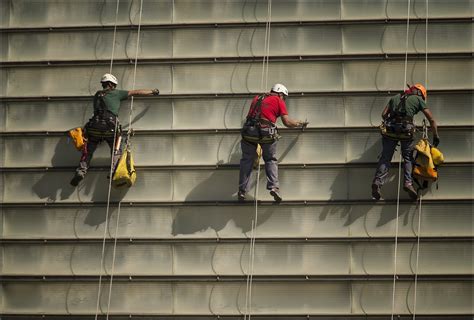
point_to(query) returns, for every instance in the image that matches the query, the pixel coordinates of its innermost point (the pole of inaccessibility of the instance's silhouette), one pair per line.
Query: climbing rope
(113, 40)
(106, 226)
(127, 148)
(253, 234)
(106, 223)
(425, 136)
(399, 174)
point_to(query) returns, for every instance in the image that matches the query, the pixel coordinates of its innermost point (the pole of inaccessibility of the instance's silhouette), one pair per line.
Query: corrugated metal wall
(183, 240)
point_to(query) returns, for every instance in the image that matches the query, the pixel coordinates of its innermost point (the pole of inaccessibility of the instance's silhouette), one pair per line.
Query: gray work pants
(388, 148)
(246, 164)
(88, 152)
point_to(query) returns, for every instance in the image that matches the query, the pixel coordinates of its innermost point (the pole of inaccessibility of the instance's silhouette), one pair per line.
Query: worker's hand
(155, 92)
(303, 124)
(435, 141)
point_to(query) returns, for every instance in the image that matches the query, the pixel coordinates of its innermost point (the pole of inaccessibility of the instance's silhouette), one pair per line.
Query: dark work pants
(388, 148)
(89, 149)
(246, 164)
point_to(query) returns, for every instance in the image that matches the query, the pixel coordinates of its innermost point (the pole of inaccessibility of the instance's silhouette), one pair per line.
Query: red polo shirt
(272, 107)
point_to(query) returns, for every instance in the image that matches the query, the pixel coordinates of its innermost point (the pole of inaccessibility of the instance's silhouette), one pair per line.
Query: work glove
(303, 124)
(435, 141)
(155, 92)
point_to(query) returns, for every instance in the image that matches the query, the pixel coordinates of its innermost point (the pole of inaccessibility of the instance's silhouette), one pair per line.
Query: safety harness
(257, 129)
(398, 125)
(103, 122)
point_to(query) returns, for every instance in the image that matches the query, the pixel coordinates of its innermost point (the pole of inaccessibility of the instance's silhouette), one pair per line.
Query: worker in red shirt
(260, 128)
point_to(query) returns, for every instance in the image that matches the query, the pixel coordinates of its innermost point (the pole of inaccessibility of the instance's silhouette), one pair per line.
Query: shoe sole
(375, 193)
(275, 196)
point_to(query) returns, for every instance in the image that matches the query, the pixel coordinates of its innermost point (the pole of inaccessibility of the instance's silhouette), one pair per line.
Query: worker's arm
(385, 112)
(292, 123)
(433, 125)
(144, 92)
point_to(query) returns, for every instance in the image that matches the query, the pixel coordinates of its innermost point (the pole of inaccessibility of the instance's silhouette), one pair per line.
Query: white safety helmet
(109, 78)
(279, 88)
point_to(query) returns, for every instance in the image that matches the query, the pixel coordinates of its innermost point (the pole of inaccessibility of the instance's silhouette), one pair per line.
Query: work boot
(76, 179)
(376, 195)
(275, 193)
(408, 187)
(241, 195)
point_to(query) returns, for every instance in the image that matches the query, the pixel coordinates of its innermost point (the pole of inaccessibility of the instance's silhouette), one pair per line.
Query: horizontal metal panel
(170, 298)
(242, 77)
(236, 42)
(373, 9)
(211, 222)
(442, 38)
(221, 185)
(221, 113)
(233, 259)
(23, 13)
(216, 149)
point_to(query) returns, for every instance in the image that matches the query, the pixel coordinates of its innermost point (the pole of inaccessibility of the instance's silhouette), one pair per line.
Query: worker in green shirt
(398, 126)
(104, 126)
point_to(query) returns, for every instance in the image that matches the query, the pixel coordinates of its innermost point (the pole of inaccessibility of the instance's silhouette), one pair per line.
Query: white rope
(248, 300)
(115, 33)
(425, 135)
(399, 175)
(135, 69)
(128, 143)
(253, 234)
(396, 236)
(417, 257)
(113, 260)
(406, 46)
(106, 225)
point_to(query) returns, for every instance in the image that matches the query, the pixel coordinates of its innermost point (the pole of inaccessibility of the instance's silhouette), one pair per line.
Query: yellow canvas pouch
(125, 174)
(424, 167)
(77, 137)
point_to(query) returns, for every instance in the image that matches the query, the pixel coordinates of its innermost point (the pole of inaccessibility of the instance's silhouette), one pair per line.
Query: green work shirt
(413, 104)
(112, 100)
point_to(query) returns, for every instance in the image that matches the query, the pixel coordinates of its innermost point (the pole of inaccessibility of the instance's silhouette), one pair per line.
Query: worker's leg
(246, 163)
(271, 164)
(87, 152)
(383, 166)
(407, 154)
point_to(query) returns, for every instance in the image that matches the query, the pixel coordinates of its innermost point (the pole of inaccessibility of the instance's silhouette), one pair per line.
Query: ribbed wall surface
(326, 252)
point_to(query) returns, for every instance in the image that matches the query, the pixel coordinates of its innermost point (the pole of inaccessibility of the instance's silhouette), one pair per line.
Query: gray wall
(183, 240)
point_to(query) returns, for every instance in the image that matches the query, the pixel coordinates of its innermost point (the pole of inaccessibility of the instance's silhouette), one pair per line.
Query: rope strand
(115, 33)
(425, 135)
(106, 225)
(263, 85)
(399, 174)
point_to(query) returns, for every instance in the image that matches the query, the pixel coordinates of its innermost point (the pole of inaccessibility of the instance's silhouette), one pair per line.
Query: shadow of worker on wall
(372, 149)
(221, 186)
(54, 185)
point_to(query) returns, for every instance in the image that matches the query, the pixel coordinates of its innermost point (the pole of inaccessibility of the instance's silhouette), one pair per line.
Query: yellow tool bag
(77, 136)
(425, 168)
(125, 174)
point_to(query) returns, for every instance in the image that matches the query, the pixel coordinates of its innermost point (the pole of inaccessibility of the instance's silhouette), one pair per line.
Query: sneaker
(376, 195)
(275, 193)
(411, 191)
(241, 195)
(76, 179)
